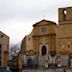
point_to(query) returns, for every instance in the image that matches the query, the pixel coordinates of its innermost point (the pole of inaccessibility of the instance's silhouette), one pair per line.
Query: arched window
(43, 50)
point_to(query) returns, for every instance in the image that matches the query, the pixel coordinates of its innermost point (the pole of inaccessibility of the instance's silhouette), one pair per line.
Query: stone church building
(49, 44)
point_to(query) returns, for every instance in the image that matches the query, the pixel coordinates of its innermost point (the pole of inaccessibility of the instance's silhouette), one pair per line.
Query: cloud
(29, 9)
(18, 16)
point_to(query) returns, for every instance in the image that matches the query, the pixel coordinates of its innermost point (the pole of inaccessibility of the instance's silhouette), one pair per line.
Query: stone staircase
(42, 60)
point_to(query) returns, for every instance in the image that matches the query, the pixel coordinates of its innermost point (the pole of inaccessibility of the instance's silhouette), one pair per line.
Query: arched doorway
(43, 50)
(29, 63)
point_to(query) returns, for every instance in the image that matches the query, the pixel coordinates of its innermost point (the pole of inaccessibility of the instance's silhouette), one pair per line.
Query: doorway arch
(44, 50)
(29, 63)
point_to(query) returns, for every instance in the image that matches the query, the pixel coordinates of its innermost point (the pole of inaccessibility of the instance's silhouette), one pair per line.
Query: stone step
(42, 60)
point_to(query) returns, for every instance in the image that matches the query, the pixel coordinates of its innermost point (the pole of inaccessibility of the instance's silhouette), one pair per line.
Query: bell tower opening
(44, 50)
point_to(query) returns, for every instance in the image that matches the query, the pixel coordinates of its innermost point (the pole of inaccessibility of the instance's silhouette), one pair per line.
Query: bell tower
(64, 36)
(65, 14)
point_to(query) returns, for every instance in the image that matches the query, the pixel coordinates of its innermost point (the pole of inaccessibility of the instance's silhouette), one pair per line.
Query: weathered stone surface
(68, 70)
(40, 70)
(64, 60)
(59, 70)
(48, 70)
(42, 60)
(70, 63)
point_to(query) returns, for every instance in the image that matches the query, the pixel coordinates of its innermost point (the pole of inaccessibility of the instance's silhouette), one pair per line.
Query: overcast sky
(18, 16)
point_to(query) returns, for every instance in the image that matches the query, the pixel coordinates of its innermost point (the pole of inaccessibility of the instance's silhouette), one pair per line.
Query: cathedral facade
(49, 44)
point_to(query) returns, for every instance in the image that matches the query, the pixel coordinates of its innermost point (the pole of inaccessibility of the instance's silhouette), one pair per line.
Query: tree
(14, 50)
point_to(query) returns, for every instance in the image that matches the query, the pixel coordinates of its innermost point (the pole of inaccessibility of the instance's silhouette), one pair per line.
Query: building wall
(4, 42)
(23, 45)
(29, 42)
(64, 36)
(44, 38)
(37, 38)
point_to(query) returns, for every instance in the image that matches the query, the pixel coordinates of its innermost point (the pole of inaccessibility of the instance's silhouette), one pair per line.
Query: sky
(18, 16)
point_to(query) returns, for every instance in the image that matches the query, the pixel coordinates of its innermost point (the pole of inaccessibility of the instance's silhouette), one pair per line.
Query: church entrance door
(44, 50)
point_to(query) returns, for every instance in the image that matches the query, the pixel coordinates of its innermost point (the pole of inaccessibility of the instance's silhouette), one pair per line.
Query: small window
(2, 36)
(29, 38)
(0, 45)
(43, 29)
(0, 62)
(65, 12)
(68, 45)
